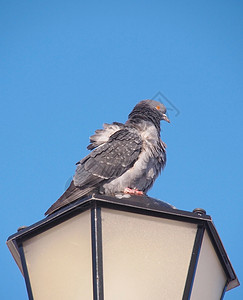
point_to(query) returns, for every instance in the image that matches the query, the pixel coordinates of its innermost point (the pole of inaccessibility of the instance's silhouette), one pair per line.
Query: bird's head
(156, 107)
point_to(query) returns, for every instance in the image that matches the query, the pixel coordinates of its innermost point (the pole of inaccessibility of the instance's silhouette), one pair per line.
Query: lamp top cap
(199, 211)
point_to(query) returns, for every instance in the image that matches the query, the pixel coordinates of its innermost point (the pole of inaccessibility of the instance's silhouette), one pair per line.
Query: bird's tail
(71, 194)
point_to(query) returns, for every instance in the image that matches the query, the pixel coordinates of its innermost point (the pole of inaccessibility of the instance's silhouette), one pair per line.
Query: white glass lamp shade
(59, 261)
(145, 257)
(210, 278)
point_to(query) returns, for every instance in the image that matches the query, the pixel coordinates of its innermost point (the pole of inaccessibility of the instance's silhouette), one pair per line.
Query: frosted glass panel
(59, 261)
(210, 278)
(145, 257)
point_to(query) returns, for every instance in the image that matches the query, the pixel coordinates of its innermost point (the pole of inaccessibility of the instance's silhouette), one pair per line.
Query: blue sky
(67, 67)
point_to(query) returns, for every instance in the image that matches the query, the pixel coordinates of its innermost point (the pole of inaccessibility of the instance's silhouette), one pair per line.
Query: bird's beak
(166, 118)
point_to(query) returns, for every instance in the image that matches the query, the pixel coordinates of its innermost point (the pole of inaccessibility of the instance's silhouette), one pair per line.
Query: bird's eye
(158, 107)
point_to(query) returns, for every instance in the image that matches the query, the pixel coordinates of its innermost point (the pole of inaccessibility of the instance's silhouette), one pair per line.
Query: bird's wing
(71, 194)
(109, 160)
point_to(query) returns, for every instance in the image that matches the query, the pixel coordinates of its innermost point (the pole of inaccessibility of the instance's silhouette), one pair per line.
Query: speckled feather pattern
(148, 164)
(123, 155)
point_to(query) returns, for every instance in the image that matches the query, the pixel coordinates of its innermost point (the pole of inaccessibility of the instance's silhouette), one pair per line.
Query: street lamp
(108, 248)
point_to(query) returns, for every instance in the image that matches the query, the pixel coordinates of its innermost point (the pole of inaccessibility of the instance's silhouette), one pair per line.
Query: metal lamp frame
(136, 204)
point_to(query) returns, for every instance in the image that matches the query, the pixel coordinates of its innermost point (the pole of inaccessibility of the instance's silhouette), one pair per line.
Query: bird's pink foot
(133, 191)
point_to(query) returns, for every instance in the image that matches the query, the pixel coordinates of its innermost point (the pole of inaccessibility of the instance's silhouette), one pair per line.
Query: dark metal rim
(26, 274)
(97, 259)
(193, 263)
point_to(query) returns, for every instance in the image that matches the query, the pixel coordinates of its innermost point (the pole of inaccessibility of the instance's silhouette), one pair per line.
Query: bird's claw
(133, 191)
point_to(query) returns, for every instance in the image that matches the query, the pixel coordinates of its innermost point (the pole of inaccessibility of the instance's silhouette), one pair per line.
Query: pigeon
(125, 158)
